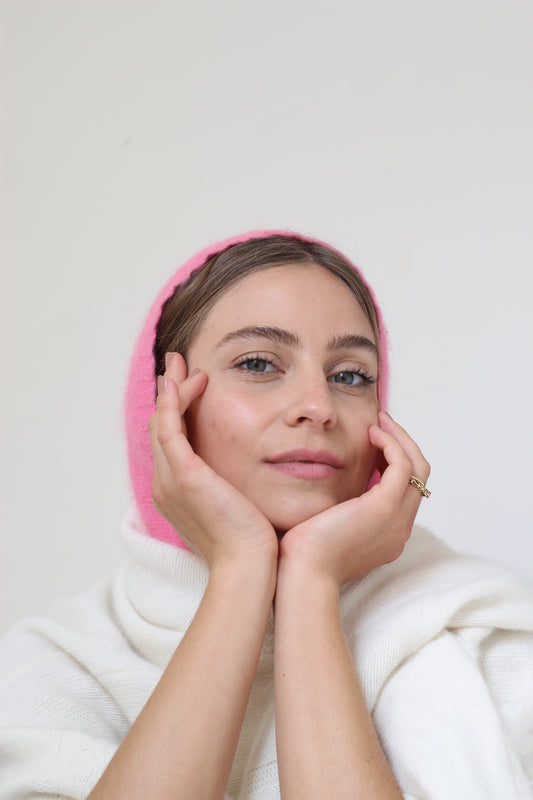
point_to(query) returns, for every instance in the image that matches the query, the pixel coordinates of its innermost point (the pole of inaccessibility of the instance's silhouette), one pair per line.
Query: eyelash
(368, 380)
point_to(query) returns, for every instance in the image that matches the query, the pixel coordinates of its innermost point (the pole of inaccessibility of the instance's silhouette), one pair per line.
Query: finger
(170, 436)
(187, 391)
(395, 477)
(421, 467)
(167, 429)
(169, 416)
(164, 424)
(394, 485)
(175, 367)
(395, 480)
(189, 387)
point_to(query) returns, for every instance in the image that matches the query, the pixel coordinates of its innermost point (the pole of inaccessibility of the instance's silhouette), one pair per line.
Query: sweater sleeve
(453, 726)
(59, 725)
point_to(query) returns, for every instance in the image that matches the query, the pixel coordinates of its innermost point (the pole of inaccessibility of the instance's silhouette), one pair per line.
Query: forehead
(290, 296)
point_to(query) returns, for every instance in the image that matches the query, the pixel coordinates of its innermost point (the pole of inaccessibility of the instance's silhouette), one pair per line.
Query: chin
(286, 518)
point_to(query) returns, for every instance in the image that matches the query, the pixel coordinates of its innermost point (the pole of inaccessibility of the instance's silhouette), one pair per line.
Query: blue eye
(348, 378)
(352, 377)
(256, 365)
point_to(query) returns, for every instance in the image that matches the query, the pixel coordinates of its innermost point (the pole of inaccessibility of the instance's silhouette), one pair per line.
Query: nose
(310, 403)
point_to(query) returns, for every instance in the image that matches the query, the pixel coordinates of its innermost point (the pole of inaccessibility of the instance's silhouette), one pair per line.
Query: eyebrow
(352, 340)
(281, 336)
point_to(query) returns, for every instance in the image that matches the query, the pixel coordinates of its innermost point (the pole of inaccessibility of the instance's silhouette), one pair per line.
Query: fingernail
(161, 384)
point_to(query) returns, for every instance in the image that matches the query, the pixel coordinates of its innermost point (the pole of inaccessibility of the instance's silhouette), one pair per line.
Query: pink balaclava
(140, 390)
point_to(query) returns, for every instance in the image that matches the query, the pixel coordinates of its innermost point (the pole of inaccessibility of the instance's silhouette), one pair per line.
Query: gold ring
(420, 485)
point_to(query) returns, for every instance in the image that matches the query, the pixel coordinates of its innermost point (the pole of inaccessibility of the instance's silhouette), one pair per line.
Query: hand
(211, 516)
(352, 538)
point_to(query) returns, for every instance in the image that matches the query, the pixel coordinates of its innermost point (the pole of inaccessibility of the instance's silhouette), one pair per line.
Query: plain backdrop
(133, 133)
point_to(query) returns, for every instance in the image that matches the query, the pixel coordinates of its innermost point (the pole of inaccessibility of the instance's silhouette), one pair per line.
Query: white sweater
(443, 645)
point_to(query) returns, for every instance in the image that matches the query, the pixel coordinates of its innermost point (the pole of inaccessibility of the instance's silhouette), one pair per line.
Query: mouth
(308, 464)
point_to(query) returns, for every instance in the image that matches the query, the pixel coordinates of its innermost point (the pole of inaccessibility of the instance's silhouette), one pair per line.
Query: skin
(286, 395)
(272, 535)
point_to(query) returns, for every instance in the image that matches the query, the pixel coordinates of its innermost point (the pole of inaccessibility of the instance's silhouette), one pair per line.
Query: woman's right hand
(211, 516)
(196, 711)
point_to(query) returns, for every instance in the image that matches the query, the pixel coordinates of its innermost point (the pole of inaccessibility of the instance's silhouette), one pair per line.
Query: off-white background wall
(135, 132)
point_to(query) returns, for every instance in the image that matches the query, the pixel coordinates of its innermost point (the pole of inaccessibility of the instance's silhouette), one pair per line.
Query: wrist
(304, 561)
(257, 552)
(254, 572)
(304, 581)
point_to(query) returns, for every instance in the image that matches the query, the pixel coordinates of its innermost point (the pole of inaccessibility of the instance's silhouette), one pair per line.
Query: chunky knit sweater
(443, 645)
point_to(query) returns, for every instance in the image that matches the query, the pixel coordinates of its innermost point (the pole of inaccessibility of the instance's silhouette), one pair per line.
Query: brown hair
(186, 309)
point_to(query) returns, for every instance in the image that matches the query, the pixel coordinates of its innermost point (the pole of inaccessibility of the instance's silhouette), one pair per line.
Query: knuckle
(399, 541)
(157, 495)
(161, 497)
(164, 435)
(397, 549)
(404, 463)
(423, 469)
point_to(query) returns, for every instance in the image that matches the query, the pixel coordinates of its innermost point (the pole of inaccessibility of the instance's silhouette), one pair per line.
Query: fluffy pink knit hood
(140, 390)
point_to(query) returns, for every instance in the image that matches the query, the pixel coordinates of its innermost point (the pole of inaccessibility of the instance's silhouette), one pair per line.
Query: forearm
(183, 743)
(327, 744)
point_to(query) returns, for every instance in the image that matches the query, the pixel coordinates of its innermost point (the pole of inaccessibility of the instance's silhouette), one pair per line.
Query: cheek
(358, 421)
(364, 453)
(218, 424)
(365, 445)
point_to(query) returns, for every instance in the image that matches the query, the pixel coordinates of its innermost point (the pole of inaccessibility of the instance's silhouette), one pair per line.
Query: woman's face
(292, 365)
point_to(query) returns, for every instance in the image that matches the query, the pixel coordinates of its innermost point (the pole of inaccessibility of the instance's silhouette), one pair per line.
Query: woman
(277, 630)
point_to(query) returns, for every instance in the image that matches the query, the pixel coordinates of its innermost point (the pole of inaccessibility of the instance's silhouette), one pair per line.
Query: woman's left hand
(352, 538)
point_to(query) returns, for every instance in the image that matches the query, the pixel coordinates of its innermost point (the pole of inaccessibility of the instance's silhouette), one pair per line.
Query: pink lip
(303, 463)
